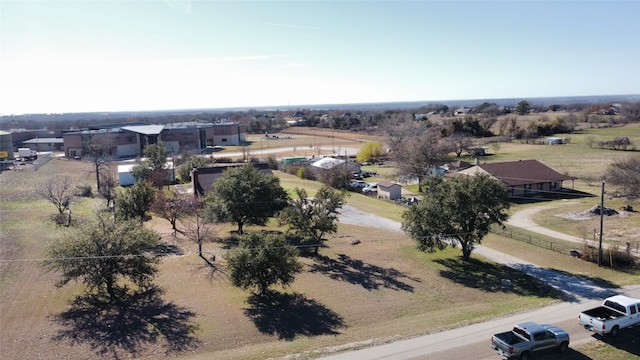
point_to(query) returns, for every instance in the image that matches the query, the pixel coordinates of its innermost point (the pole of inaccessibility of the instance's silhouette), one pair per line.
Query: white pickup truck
(615, 313)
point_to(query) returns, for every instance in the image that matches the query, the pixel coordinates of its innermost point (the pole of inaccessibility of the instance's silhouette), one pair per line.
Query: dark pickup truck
(527, 338)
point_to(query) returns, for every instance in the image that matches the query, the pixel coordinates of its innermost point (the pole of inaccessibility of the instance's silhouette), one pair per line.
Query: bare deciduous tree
(625, 174)
(98, 149)
(460, 142)
(196, 229)
(107, 186)
(417, 149)
(170, 207)
(58, 191)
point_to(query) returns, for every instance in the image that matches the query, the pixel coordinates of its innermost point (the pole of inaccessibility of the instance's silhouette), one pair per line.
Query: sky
(95, 56)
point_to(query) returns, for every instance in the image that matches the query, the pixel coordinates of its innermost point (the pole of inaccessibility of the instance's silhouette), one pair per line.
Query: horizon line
(319, 106)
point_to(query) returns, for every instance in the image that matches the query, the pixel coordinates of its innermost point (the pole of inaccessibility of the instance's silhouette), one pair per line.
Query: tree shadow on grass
(354, 271)
(291, 315)
(137, 320)
(583, 286)
(489, 277)
(627, 340)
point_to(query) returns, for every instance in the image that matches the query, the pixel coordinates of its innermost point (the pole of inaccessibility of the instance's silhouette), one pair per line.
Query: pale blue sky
(64, 56)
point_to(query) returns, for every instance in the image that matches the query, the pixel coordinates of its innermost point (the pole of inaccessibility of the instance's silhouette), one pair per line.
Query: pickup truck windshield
(523, 334)
(614, 305)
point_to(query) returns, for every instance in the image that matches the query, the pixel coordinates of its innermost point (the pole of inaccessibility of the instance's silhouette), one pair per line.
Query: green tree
(625, 173)
(312, 219)
(153, 167)
(135, 201)
(523, 107)
(456, 211)
(371, 150)
(183, 172)
(107, 256)
(262, 260)
(245, 196)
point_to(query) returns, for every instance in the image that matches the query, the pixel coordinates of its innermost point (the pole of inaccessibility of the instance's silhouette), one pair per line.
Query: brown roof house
(523, 177)
(203, 179)
(389, 190)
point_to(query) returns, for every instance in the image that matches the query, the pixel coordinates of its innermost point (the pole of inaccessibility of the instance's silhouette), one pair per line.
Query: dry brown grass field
(379, 290)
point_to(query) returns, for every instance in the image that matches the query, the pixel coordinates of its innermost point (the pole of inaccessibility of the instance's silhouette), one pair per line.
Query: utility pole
(601, 224)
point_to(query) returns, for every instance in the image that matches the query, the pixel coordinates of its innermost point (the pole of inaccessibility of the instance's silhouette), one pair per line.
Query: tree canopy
(371, 150)
(456, 211)
(107, 256)
(262, 260)
(312, 219)
(134, 201)
(153, 166)
(245, 196)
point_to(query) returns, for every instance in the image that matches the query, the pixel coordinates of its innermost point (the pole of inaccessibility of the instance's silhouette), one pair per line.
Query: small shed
(389, 190)
(552, 140)
(124, 175)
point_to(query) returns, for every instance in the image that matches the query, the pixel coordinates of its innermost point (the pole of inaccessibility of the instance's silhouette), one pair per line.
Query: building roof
(205, 178)
(327, 163)
(44, 141)
(145, 129)
(387, 184)
(522, 172)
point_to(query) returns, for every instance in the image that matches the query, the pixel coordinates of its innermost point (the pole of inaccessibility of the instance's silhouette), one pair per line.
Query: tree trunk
(111, 291)
(466, 251)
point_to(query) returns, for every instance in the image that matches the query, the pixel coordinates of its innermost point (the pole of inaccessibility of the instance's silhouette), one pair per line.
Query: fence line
(559, 246)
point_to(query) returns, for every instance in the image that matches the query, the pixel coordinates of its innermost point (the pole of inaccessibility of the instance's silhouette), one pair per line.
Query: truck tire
(524, 356)
(563, 347)
(614, 331)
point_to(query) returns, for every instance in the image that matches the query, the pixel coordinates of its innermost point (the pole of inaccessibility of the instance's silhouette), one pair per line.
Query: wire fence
(557, 246)
(565, 247)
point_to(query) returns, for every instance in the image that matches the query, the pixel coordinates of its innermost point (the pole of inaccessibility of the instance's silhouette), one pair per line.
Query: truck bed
(509, 338)
(602, 313)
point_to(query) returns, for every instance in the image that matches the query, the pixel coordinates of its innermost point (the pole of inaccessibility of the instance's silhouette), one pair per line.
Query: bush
(611, 257)
(84, 191)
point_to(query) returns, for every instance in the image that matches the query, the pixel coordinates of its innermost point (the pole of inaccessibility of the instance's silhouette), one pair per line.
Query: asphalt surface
(472, 342)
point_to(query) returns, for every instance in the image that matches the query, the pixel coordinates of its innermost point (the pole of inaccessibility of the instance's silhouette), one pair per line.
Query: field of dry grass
(330, 304)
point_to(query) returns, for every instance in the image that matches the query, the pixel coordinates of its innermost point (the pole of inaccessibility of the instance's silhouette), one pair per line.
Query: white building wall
(128, 150)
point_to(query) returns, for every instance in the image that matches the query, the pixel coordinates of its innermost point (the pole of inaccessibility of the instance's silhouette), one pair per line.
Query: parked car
(370, 188)
(358, 184)
(527, 338)
(615, 313)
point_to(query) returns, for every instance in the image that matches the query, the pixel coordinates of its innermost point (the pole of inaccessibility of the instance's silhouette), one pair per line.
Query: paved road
(472, 342)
